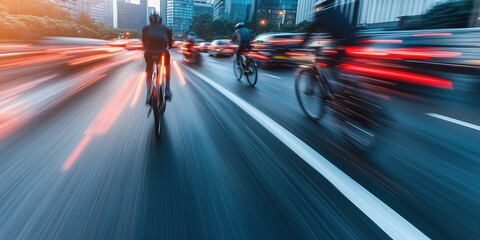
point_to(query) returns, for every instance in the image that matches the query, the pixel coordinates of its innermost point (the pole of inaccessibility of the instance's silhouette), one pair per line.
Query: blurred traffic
(337, 138)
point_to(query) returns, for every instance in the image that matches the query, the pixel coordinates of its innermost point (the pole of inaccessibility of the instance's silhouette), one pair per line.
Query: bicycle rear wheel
(158, 101)
(251, 73)
(310, 94)
(237, 69)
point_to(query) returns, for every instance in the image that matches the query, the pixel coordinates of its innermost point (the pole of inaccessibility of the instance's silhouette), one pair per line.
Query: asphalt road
(79, 159)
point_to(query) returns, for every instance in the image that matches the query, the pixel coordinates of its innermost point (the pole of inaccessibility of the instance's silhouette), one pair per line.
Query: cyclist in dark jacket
(156, 39)
(242, 36)
(331, 21)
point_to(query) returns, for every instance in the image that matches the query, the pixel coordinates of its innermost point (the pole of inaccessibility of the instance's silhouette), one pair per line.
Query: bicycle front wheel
(251, 73)
(310, 94)
(237, 69)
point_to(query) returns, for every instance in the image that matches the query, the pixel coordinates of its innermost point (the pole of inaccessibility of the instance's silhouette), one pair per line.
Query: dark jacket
(156, 37)
(241, 35)
(334, 23)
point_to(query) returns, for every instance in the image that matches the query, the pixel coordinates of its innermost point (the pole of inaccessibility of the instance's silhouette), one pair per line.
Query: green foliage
(39, 8)
(44, 18)
(446, 14)
(210, 29)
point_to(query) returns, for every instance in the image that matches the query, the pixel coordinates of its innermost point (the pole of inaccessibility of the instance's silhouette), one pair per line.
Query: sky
(151, 3)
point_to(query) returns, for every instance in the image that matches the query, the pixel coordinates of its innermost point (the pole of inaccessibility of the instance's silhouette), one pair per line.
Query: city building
(202, 6)
(276, 12)
(382, 14)
(179, 17)
(233, 10)
(131, 15)
(219, 9)
(74, 7)
(305, 10)
(101, 11)
(163, 11)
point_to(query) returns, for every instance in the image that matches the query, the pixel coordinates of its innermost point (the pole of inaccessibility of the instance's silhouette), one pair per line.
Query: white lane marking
(210, 60)
(453, 120)
(386, 218)
(272, 76)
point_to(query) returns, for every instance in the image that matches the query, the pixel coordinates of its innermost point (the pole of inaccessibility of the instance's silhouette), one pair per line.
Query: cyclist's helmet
(239, 25)
(155, 18)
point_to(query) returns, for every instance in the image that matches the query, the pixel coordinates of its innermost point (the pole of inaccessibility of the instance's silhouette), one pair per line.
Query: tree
(39, 8)
(448, 14)
(203, 25)
(83, 18)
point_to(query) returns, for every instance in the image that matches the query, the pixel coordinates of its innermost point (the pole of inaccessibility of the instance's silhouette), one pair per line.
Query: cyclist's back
(333, 22)
(156, 39)
(242, 36)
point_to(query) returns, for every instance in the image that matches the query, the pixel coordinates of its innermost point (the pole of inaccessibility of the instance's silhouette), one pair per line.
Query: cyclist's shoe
(147, 101)
(168, 94)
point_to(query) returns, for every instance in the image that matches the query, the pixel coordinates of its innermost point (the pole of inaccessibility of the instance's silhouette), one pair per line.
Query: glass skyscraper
(234, 10)
(276, 12)
(179, 16)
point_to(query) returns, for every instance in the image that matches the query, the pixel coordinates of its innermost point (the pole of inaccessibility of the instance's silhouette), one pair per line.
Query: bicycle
(158, 101)
(357, 117)
(246, 66)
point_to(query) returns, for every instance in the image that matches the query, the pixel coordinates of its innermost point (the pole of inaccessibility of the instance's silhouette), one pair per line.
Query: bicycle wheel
(359, 121)
(237, 69)
(251, 73)
(310, 93)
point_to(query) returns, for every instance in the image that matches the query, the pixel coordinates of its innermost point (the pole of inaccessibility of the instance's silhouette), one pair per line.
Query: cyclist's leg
(148, 71)
(240, 49)
(167, 75)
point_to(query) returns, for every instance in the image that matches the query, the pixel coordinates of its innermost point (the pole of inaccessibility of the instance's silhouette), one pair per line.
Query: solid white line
(453, 120)
(272, 76)
(210, 60)
(386, 218)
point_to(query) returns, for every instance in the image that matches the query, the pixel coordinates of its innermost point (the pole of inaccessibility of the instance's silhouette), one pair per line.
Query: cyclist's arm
(235, 37)
(317, 24)
(170, 40)
(144, 37)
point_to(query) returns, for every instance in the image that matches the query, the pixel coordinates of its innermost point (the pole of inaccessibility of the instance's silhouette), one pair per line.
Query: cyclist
(242, 36)
(190, 40)
(331, 21)
(156, 39)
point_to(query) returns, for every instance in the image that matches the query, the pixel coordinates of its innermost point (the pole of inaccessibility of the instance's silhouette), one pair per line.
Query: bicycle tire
(313, 115)
(237, 69)
(252, 75)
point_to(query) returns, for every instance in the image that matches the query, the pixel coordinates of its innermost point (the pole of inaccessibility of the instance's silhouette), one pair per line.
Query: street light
(263, 22)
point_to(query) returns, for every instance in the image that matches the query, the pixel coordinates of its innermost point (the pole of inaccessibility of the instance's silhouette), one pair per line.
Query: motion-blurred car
(118, 42)
(134, 44)
(177, 44)
(276, 48)
(203, 47)
(221, 47)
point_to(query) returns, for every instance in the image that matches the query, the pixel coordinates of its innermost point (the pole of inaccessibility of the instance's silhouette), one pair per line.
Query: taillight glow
(286, 41)
(397, 41)
(402, 53)
(297, 54)
(399, 76)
